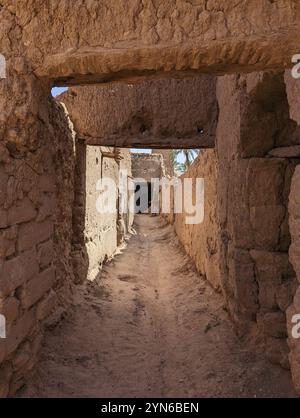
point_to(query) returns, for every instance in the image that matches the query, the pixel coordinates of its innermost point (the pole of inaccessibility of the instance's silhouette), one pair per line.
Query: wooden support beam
(202, 141)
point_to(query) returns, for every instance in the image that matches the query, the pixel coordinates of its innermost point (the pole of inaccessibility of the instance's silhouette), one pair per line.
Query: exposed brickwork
(33, 203)
(38, 209)
(242, 246)
(201, 239)
(259, 282)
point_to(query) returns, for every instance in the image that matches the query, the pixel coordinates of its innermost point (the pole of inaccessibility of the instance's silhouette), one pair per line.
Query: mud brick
(46, 305)
(3, 218)
(9, 307)
(5, 377)
(45, 253)
(16, 271)
(19, 332)
(22, 211)
(33, 233)
(46, 183)
(37, 287)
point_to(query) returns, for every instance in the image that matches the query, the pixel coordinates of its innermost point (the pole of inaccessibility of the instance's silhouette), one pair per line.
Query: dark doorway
(143, 197)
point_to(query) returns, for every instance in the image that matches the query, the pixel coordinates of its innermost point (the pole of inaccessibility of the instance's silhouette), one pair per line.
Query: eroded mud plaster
(56, 42)
(152, 114)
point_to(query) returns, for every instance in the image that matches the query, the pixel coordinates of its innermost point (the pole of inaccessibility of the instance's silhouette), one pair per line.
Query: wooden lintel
(197, 142)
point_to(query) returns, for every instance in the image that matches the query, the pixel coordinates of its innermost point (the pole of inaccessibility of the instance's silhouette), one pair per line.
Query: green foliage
(187, 156)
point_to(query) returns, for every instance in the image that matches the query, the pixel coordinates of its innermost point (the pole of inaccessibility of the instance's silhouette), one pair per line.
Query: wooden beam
(198, 141)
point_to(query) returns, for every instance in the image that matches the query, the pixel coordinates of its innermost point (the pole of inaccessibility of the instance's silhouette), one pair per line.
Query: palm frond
(188, 155)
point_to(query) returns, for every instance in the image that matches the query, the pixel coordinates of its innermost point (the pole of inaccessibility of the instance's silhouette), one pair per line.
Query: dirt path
(151, 327)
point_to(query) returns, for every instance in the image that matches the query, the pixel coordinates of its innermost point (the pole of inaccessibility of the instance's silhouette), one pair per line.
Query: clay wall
(201, 240)
(255, 173)
(243, 245)
(36, 224)
(103, 232)
(293, 92)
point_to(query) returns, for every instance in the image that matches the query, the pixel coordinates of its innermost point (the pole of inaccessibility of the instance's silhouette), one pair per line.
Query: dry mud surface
(149, 326)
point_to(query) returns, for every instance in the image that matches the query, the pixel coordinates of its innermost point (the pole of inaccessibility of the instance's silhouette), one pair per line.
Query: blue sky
(58, 90)
(143, 150)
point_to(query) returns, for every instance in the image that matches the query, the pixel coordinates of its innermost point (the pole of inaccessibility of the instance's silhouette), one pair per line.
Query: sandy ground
(149, 326)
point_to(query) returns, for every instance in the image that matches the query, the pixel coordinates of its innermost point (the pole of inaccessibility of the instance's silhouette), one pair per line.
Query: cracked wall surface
(103, 232)
(143, 36)
(147, 166)
(54, 42)
(293, 92)
(95, 236)
(77, 42)
(200, 240)
(36, 225)
(259, 281)
(161, 113)
(251, 212)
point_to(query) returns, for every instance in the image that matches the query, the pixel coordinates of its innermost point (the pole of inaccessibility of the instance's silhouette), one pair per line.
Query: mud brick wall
(103, 232)
(100, 229)
(209, 35)
(36, 275)
(64, 160)
(32, 229)
(201, 240)
(166, 113)
(243, 245)
(168, 164)
(41, 198)
(96, 236)
(125, 220)
(27, 272)
(214, 35)
(293, 92)
(255, 172)
(147, 166)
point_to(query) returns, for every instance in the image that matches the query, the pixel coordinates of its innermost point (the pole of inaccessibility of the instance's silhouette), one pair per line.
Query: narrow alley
(150, 326)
